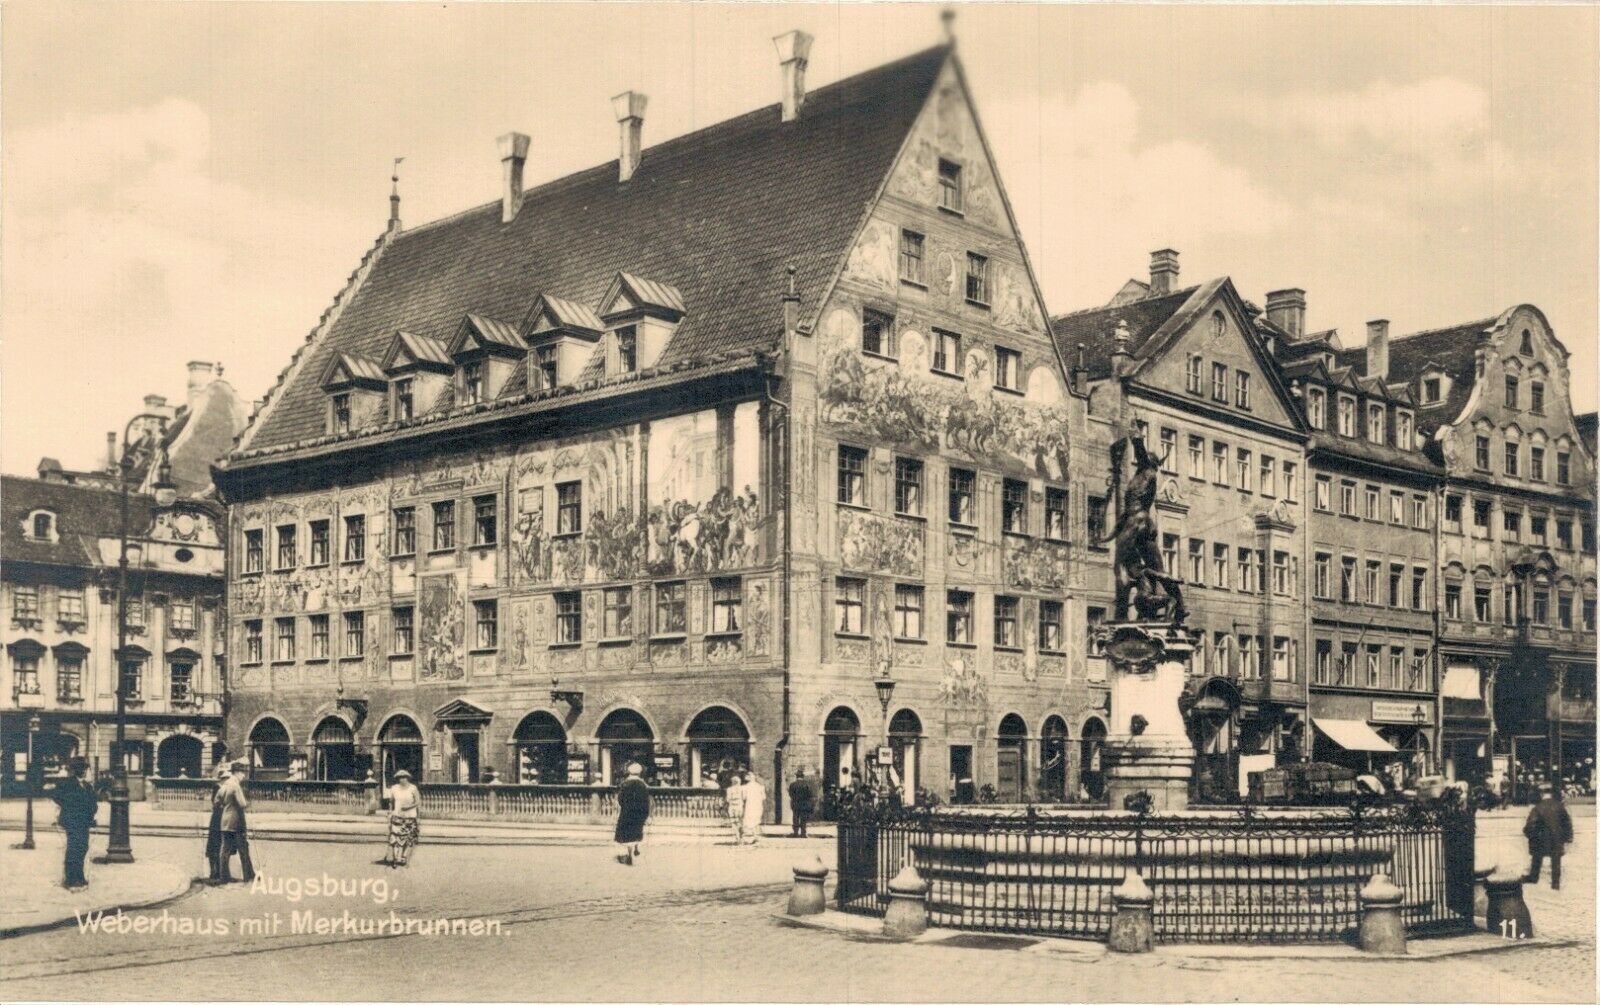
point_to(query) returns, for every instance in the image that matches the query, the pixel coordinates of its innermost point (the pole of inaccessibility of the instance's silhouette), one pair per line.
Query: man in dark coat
(78, 806)
(214, 830)
(1549, 831)
(802, 802)
(633, 808)
(235, 831)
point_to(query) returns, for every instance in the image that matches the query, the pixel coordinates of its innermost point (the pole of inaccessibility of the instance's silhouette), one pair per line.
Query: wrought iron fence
(1217, 876)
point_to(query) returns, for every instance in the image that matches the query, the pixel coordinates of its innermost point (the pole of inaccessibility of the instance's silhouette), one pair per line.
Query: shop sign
(666, 766)
(577, 769)
(1402, 711)
(885, 757)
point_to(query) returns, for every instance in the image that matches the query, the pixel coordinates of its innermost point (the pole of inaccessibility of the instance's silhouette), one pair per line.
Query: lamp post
(119, 848)
(885, 687)
(32, 780)
(1419, 716)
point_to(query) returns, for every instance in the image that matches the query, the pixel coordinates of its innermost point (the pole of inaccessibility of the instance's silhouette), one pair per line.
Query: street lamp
(885, 686)
(32, 779)
(119, 848)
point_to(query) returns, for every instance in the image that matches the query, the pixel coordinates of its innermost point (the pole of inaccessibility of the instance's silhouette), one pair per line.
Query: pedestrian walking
(734, 794)
(802, 802)
(727, 774)
(235, 831)
(214, 829)
(1549, 831)
(78, 805)
(405, 825)
(755, 804)
(633, 809)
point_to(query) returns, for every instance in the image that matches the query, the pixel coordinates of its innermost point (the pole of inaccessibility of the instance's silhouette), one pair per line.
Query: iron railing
(1217, 876)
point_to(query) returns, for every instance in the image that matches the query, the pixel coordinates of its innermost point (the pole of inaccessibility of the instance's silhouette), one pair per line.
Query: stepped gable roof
(83, 516)
(1096, 327)
(717, 214)
(1453, 349)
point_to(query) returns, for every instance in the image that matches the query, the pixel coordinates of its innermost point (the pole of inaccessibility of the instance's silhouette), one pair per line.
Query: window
(961, 484)
(485, 520)
(1241, 389)
(1322, 575)
(1219, 463)
(1588, 614)
(977, 278)
(852, 476)
(283, 640)
(69, 605)
(180, 676)
(950, 185)
(355, 538)
(1095, 520)
(1375, 424)
(1431, 390)
(1014, 506)
(1316, 408)
(401, 620)
(727, 606)
(286, 547)
(319, 542)
(671, 609)
(848, 605)
(1541, 606)
(1219, 566)
(1397, 657)
(1419, 670)
(1219, 382)
(1374, 574)
(1564, 609)
(69, 678)
(355, 633)
(1480, 516)
(1452, 514)
(1197, 457)
(1347, 498)
(1452, 601)
(1372, 511)
(1169, 554)
(1093, 618)
(405, 531)
(1280, 573)
(1055, 514)
(627, 349)
(907, 611)
(1197, 561)
(253, 551)
(1482, 601)
(1347, 664)
(1564, 533)
(43, 526)
(958, 618)
(1269, 476)
(1511, 460)
(180, 614)
(617, 613)
(1419, 512)
(1536, 463)
(1513, 525)
(1511, 596)
(911, 257)
(569, 612)
(340, 407)
(908, 486)
(1396, 575)
(1526, 348)
(1347, 579)
(24, 674)
(1374, 666)
(947, 352)
(1481, 456)
(1588, 535)
(1397, 508)
(1193, 375)
(1005, 622)
(132, 674)
(319, 636)
(1290, 485)
(545, 369)
(1247, 570)
(472, 383)
(1536, 397)
(569, 508)
(1347, 416)
(1246, 468)
(1280, 658)
(1563, 467)
(405, 401)
(1223, 644)
(486, 624)
(1007, 368)
(877, 333)
(1249, 658)
(1419, 589)
(1511, 391)
(1324, 488)
(444, 525)
(1050, 637)
(135, 611)
(1538, 525)
(1324, 667)
(252, 641)
(25, 603)
(1402, 431)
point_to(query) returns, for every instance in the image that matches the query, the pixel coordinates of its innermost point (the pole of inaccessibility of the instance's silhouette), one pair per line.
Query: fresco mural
(1038, 565)
(758, 605)
(873, 543)
(441, 629)
(962, 685)
(883, 651)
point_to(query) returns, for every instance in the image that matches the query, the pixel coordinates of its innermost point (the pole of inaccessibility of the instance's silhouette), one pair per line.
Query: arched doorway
(624, 736)
(334, 749)
(905, 740)
(1213, 728)
(1092, 773)
(400, 746)
(541, 750)
(1012, 740)
(270, 749)
(841, 733)
(716, 735)
(1053, 760)
(180, 756)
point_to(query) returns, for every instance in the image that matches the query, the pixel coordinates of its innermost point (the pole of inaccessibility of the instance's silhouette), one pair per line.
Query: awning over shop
(1353, 734)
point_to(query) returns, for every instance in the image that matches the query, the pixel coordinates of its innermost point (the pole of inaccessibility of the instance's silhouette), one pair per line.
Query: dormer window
(472, 382)
(1375, 423)
(404, 399)
(1432, 391)
(1316, 408)
(1347, 416)
(419, 370)
(627, 349)
(355, 387)
(546, 371)
(339, 405)
(41, 526)
(1402, 430)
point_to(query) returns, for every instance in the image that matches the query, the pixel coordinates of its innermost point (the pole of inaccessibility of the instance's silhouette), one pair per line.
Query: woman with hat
(404, 803)
(633, 808)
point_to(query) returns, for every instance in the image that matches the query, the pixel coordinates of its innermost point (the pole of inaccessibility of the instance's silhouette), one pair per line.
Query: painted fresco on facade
(1038, 565)
(441, 634)
(873, 543)
(962, 685)
(759, 617)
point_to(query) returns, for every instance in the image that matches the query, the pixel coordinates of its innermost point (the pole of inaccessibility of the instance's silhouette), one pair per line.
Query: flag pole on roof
(947, 17)
(394, 195)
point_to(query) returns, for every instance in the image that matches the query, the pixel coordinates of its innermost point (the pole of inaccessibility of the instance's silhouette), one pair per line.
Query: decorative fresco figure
(882, 634)
(1137, 558)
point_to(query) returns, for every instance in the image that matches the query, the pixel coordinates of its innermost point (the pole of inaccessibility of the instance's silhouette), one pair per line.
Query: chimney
(1163, 272)
(1121, 341)
(791, 306)
(794, 51)
(1287, 310)
(1378, 349)
(111, 451)
(629, 106)
(1079, 371)
(201, 374)
(513, 155)
(157, 403)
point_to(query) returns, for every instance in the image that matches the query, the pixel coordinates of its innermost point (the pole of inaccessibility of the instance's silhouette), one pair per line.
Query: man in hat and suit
(235, 833)
(1549, 831)
(78, 805)
(633, 808)
(214, 830)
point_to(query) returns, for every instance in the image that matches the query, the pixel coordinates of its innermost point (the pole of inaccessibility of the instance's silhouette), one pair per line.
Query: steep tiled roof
(570, 314)
(495, 331)
(1586, 423)
(1095, 328)
(649, 293)
(83, 515)
(1454, 349)
(420, 347)
(717, 214)
(1378, 453)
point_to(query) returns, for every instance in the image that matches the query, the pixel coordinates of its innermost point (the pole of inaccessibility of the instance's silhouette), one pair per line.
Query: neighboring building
(1187, 368)
(525, 501)
(1517, 548)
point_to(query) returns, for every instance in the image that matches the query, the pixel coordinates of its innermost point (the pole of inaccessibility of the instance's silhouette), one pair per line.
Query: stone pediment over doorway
(460, 711)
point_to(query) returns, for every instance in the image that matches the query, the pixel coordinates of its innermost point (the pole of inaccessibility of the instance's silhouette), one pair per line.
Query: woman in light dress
(755, 802)
(405, 802)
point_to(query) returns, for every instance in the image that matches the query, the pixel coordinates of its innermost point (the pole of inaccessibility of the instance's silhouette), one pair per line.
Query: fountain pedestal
(1148, 748)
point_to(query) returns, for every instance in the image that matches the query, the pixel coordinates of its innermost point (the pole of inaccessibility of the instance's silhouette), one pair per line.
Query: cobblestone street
(695, 923)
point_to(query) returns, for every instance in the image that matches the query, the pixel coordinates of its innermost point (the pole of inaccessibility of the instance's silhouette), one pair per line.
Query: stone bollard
(1132, 923)
(1480, 895)
(807, 896)
(1382, 928)
(907, 916)
(1507, 914)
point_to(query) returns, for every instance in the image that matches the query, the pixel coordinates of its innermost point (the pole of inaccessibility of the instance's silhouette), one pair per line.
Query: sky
(197, 181)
